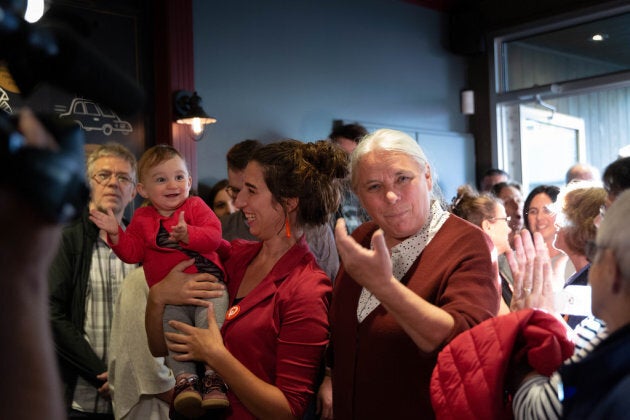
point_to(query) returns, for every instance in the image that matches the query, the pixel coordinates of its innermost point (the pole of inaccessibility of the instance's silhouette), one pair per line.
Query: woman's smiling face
(541, 217)
(396, 192)
(265, 216)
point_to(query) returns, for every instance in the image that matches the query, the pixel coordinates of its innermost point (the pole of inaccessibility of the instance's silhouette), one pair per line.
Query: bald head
(582, 172)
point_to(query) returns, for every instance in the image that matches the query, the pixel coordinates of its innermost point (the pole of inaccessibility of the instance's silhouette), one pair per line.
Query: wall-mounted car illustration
(93, 116)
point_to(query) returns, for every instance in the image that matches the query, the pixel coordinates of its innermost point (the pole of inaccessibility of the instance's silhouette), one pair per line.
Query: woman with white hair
(411, 280)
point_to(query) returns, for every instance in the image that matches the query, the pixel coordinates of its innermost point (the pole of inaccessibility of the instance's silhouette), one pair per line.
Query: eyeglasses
(507, 218)
(103, 177)
(232, 192)
(590, 250)
(545, 210)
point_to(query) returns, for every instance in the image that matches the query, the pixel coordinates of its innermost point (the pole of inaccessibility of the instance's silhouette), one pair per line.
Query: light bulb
(196, 126)
(34, 10)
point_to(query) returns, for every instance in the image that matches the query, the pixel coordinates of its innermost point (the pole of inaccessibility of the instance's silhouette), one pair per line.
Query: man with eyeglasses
(84, 282)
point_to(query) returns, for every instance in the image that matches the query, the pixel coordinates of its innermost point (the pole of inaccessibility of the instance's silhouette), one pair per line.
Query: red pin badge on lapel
(232, 312)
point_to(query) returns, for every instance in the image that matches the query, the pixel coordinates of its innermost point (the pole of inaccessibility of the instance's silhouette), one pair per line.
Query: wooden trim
(174, 70)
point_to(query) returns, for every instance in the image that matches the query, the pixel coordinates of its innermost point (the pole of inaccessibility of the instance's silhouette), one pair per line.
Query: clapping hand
(532, 272)
(180, 231)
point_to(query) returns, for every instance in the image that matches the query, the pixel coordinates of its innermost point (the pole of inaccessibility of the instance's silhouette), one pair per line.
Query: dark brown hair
(239, 155)
(550, 191)
(310, 172)
(617, 176)
(354, 132)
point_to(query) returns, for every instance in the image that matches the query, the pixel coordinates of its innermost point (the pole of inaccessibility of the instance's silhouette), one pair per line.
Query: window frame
(498, 96)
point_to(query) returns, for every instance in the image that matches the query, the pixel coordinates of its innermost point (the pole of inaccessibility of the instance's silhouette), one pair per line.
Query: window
(91, 109)
(560, 96)
(581, 51)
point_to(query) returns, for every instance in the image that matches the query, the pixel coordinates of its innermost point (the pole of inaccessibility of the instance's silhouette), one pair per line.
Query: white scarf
(404, 255)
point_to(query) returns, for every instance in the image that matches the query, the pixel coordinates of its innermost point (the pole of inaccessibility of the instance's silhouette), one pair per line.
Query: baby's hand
(180, 231)
(107, 222)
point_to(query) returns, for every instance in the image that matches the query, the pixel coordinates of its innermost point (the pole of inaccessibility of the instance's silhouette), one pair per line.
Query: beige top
(135, 376)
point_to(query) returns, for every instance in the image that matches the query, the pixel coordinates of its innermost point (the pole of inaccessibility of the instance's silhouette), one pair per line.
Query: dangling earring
(287, 227)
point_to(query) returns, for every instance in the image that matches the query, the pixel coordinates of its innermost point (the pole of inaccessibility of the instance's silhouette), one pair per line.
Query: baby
(174, 227)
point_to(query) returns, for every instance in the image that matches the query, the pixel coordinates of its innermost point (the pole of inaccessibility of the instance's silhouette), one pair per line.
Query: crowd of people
(247, 305)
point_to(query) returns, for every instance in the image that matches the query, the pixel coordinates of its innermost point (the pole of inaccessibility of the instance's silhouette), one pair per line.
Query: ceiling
(576, 40)
(481, 15)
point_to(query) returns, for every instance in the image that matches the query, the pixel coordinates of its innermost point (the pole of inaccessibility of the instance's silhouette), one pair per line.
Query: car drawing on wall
(92, 116)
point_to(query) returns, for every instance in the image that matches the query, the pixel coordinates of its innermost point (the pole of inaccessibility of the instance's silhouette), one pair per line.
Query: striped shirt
(106, 274)
(538, 398)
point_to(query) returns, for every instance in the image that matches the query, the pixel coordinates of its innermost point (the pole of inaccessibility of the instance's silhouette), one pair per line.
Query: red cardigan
(138, 242)
(377, 370)
(280, 330)
(469, 380)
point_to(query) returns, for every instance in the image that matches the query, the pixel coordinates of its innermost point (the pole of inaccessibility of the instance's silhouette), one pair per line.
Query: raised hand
(180, 231)
(532, 273)
(371, 268)
(106, 222)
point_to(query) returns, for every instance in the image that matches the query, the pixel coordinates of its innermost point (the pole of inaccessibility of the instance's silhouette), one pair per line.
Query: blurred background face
(489, 180)
(223, 203)
(346, 144)
(498, 229)
(541, 218)
(513, 201)
(235, 182)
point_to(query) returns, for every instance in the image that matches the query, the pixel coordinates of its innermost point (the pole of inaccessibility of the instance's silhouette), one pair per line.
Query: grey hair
(614, 232)
(388, 140)
(115, 150)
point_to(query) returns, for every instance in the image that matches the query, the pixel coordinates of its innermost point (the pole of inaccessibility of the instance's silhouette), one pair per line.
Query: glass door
(550, 143)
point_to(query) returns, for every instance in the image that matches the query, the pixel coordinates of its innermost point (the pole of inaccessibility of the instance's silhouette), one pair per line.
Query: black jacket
(68, 282)
(598, 386)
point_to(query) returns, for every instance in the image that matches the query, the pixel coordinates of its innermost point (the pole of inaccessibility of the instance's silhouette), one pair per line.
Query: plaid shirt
(106, 274)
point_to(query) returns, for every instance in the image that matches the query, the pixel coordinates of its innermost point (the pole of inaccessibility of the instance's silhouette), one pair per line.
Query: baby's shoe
(213, 391)
(187, 399)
